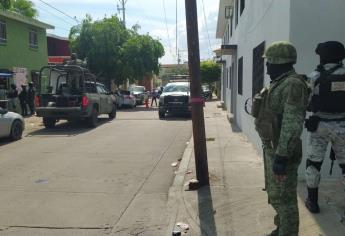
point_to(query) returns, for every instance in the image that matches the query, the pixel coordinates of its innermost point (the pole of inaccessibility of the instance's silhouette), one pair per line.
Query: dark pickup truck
(72, 93)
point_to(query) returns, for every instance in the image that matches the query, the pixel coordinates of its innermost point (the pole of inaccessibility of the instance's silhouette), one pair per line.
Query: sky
(155, 17)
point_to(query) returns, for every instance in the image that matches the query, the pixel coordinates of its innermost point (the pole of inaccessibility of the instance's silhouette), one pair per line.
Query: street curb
(174, 196)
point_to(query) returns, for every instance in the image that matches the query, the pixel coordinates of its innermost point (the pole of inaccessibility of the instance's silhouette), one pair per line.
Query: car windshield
(137, 89)
(176, 88)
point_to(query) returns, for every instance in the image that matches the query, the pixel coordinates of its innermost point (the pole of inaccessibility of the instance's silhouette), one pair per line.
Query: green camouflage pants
(283, 196)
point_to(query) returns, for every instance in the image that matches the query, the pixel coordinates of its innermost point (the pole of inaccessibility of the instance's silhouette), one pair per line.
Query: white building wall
(305, 23)
(264, 20)
(313, 22)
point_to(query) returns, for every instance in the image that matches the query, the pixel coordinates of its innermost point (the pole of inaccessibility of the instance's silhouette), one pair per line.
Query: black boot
(274, 232)
(311, 201)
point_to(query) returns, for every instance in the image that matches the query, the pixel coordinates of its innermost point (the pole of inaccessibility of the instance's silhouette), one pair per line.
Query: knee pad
(342, 166)
(312, 176)
(317, 165)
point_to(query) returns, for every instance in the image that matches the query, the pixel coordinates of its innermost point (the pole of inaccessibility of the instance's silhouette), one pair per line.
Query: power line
(166, 26)
(48, 12)
(73, 18)
(208, 35)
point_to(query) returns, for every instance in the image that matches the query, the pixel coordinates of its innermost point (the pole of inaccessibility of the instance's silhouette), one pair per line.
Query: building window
(258, 68)
(240, 76)
(243, 3)
(3, 35)
(236, 13)
(231, 22)
(33, 42)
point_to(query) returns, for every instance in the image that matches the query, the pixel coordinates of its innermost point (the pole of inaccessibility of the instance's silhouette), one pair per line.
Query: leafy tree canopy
(209, 72)
(23, 7)
(114, 52)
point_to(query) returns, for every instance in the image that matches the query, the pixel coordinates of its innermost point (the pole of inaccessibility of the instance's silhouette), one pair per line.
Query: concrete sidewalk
(234, 204)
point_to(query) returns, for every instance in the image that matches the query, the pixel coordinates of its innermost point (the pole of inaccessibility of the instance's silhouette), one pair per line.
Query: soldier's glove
(279, 165)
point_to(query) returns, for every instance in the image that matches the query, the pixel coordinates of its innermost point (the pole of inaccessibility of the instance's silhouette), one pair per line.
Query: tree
(5, 4)
(100, 43)
(209, 72)
(25, 8)
(114, 52)
(141, 54)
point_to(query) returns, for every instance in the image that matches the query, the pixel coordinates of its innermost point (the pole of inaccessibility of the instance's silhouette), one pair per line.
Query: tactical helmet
(281, 52)
(331, 51)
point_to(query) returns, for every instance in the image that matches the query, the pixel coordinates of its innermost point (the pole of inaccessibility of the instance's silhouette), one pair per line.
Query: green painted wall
(16, 51)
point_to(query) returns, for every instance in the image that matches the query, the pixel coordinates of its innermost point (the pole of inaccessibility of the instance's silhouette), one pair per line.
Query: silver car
(11, 124)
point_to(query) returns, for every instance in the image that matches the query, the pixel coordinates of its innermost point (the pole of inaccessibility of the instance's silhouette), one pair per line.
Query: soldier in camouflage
(330, 125)
(279, 112)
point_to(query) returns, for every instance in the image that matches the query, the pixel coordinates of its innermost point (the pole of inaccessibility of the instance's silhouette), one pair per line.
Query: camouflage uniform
(279, 122)
(328, 132)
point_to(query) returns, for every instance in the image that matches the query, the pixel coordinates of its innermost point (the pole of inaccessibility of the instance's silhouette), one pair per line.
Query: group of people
(20, 102)
(280, 111)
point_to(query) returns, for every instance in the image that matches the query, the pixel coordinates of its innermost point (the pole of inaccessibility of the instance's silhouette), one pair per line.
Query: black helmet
(331, 51)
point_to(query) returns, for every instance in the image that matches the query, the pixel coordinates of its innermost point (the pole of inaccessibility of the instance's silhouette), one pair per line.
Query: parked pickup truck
(72, 93)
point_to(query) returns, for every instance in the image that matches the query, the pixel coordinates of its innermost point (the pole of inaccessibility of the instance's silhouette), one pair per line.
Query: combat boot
(311, 203)
(274, 232)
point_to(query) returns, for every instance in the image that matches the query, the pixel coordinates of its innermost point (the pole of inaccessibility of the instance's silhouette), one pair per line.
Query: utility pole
(200, 150)
(123, 9)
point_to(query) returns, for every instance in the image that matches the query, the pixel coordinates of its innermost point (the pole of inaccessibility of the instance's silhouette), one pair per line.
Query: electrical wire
(71, 17)
(167, 28)
(48, 12)
(206, 26)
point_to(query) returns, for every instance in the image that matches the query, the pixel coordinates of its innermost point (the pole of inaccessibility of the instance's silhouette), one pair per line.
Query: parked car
(175, 98)
(206, 92)
(71, 92)
(139, 93)
(124, 98)
(12, 124)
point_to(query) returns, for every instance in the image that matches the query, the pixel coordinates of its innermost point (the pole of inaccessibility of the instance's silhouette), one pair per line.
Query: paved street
(112, 180)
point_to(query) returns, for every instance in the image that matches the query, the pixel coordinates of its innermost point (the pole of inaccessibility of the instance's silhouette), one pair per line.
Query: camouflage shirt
(287, 99)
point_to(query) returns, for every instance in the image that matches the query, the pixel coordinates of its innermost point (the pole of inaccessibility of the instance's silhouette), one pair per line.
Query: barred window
(3, 34)
(33, 42)
(240, 76)
(258, 68)
(236, 13)
(243, 2)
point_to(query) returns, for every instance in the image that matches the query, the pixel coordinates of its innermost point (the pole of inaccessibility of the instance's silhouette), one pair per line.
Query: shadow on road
(5, 141)
(206, 212)
(137, 109)
(67, 128)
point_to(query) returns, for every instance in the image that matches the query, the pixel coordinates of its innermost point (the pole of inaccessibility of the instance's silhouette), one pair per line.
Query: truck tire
(112, 114)
(93, 119)
(16, 130)
(161, 114)
(49, 123)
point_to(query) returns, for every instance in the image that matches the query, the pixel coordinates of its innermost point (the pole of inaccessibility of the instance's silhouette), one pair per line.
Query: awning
(226, 50)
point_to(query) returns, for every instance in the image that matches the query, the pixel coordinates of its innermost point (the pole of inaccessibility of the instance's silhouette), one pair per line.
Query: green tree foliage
(141, 54)
(5, 4)
(100, 43)
(114, 52)
(209, 72)
(23, 7)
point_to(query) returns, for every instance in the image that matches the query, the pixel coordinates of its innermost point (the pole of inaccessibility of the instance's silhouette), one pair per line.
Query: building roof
(24, 19)
(222, 22)
(57, 37)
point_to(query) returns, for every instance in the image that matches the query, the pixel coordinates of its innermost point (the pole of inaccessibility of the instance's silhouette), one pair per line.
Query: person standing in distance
(327, 123)
(279, 111)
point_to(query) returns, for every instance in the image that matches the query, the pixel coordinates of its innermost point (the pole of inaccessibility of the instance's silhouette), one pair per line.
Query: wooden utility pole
(200, 150)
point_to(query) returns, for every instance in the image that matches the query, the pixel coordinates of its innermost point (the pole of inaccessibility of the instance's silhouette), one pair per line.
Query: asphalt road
(112, 180)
